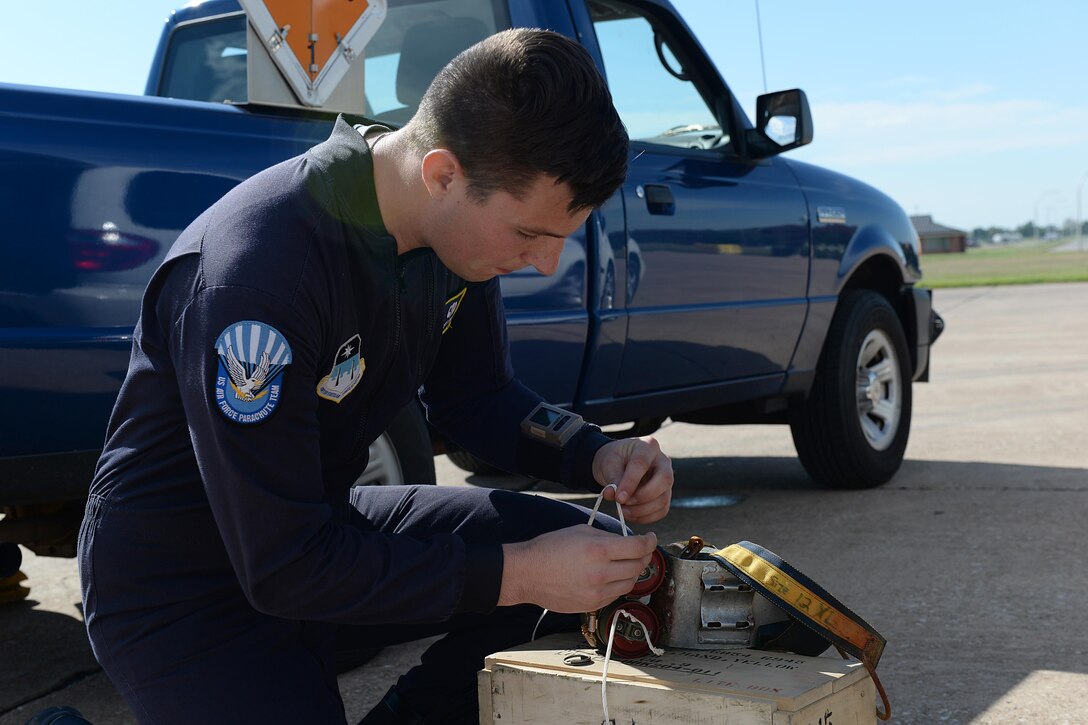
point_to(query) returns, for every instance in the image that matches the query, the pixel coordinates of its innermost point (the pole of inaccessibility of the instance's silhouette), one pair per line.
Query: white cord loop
(619, 613)
(608, 655)
(619, 509)
(592, 518)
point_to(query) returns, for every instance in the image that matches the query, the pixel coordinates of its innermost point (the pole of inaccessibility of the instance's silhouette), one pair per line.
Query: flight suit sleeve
(247, 365)
(473, 398)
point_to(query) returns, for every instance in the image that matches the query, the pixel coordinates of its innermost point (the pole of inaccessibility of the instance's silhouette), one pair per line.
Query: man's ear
(441, 172)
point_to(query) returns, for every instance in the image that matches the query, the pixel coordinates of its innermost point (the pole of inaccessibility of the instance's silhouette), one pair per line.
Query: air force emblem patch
(452, 305)
(252, 357)
(347, 371)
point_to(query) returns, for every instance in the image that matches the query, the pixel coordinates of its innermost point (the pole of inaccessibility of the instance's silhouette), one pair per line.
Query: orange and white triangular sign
(314, 42)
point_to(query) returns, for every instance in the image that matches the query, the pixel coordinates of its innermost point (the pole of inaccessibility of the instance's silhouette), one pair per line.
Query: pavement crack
(60, 685)
(983, 291)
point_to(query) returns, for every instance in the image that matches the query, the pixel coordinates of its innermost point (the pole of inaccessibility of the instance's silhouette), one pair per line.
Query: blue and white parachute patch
(347, 371)
(252, 357)
(452, 305)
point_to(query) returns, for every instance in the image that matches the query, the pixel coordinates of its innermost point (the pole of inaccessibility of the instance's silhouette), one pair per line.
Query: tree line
(1028, 230)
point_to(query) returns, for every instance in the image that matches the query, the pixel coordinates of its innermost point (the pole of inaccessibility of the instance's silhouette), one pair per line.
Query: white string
(592, 517)
(533, 638)
(619, 613)
(619, 509)
(608, 655)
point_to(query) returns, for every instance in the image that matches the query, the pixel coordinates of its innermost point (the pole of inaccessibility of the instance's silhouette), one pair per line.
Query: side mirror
(783, 122)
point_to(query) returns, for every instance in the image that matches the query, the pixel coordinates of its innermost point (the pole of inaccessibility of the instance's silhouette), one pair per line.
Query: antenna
(759, 32)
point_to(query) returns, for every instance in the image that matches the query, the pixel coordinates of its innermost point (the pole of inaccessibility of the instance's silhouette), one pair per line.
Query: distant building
(938, 238)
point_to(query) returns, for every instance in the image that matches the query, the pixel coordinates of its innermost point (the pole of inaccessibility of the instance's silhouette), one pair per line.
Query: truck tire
(851, 431)
(468, 462)
(402, 454)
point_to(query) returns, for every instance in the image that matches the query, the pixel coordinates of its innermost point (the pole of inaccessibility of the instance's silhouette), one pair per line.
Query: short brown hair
(520, 103)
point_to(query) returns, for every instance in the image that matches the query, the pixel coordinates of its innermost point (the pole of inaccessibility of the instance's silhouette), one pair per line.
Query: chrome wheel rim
(384, 466)
(879, 390)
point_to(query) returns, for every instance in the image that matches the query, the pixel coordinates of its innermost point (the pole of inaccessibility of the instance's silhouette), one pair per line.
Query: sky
(972, 111)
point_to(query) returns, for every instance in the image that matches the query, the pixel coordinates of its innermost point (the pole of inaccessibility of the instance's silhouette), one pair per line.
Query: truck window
(206, 60)
(415, 41)
(653, 93)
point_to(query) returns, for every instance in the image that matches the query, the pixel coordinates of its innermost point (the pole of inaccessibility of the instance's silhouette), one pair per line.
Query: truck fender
(868, 242)
(872, 259)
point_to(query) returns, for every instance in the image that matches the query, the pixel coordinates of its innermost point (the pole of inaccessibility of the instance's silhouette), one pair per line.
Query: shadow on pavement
(787, 474)
(972, 570)
(691, 473)
(696, 475)
(42, 652)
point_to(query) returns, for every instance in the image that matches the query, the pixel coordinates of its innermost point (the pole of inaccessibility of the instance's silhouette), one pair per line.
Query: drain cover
(706, 502)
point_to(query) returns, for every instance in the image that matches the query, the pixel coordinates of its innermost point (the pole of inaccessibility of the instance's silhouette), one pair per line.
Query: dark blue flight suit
(224, 553)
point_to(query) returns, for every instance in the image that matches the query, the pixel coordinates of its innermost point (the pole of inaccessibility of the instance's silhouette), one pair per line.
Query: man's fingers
(631, 547)
(618, 548)
(648, 512)
(622, 579)
(640, 460)
(627, 571)
(656, 484)
(575, 569)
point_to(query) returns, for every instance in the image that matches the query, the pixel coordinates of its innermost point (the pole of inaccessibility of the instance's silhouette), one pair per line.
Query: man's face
(479, 240)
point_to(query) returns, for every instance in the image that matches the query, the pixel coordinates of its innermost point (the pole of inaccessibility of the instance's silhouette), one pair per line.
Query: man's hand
(642, 474)
(577, 569)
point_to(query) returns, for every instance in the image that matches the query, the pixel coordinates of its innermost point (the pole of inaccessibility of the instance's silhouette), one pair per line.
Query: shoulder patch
(347, 371)
(252, 357)
(452, 305)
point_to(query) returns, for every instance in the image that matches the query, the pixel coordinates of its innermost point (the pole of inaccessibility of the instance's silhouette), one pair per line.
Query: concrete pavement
(970, 561)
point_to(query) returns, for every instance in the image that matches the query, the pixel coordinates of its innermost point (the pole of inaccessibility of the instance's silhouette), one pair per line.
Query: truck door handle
(659, 199)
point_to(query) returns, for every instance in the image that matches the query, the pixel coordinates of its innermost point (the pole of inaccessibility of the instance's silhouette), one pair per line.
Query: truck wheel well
(881, 274)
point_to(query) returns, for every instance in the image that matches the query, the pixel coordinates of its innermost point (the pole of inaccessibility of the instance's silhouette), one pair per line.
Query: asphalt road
(971, 561)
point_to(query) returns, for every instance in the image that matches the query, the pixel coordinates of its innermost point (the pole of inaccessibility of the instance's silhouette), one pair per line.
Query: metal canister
(702, 606)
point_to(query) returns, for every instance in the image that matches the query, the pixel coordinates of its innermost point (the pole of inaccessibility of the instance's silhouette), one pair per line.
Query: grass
(1019, 263)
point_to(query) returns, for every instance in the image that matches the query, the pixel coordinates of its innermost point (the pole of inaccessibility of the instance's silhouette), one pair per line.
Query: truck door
(717, 247)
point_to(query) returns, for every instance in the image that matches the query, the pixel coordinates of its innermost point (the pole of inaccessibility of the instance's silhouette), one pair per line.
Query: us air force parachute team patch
(252, 357)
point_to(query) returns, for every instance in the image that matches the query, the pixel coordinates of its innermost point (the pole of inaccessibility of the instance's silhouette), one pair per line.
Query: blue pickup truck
(723, 284)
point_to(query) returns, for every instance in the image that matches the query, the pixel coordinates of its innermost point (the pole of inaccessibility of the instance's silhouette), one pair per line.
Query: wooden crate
(534, 683)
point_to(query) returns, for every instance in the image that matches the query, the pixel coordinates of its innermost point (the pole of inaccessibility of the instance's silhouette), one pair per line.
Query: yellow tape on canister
(798, 596)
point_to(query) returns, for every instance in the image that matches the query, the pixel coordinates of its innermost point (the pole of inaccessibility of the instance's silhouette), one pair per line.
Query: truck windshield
(206, 59)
